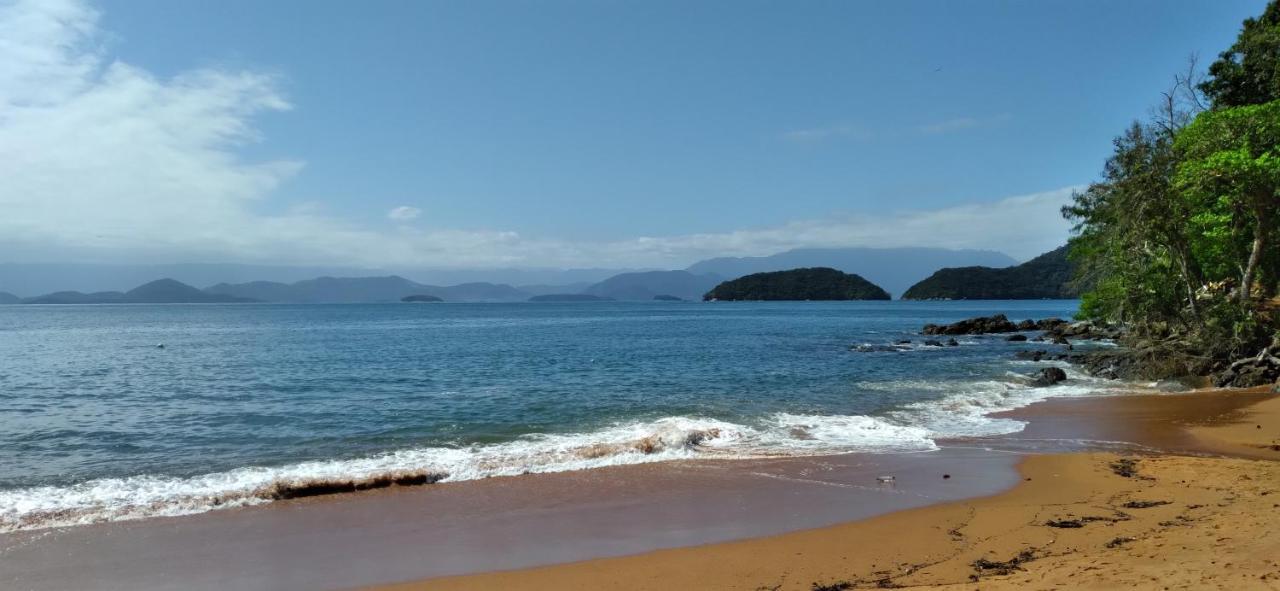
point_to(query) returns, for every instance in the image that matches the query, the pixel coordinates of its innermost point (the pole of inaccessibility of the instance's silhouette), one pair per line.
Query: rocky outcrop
(1251, 372)
(980, 325)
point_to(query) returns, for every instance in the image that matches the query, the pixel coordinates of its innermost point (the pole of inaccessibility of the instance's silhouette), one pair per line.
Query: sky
(566, 133)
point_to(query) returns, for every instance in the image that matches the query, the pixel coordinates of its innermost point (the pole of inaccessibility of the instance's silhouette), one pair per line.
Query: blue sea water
(99, 422)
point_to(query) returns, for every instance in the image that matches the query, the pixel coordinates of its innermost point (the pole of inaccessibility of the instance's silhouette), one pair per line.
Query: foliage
(813, 283)
(1249, 72)
(1048, 276)
(1179, 237)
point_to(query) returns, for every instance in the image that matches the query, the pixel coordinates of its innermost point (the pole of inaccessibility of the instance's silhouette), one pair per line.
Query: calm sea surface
(99, 422)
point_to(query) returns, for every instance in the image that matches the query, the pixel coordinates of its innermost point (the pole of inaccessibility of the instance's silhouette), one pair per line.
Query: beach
(782, 523)
(1082, 520)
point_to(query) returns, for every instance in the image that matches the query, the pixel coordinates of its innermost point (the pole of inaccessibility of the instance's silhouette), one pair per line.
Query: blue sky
(621, 133)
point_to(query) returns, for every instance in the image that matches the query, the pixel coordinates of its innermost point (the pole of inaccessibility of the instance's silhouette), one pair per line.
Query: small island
(1048, 276)
(420, 299)
(569, 297)
(814, 283)
(667, 298)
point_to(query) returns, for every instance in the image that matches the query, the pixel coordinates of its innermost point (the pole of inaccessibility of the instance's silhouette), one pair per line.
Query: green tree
(1249, 72)
(1230, 177)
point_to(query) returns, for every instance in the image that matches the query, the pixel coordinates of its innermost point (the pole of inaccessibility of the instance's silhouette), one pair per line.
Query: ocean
(129, 411)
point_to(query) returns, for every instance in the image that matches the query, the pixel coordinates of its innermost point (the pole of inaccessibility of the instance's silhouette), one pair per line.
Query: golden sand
(1077, 521)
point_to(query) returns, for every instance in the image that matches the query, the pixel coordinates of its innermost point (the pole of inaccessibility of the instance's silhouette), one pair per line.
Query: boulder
(1027, 324)
(1036, 355)
(1017, 338)
(1048, 376)
(953, 343)
(933, 343)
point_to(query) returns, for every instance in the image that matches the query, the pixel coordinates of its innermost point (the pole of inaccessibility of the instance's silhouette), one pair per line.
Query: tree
(1249, 72)
(1230, 175)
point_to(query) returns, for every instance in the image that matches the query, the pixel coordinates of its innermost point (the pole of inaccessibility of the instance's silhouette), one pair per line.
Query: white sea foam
(960, 409)
(112, 499)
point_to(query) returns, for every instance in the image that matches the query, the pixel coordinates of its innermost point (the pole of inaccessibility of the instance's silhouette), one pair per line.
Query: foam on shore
(955, 410)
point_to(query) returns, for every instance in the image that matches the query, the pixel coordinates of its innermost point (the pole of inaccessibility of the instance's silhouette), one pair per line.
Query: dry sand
(1076, 521)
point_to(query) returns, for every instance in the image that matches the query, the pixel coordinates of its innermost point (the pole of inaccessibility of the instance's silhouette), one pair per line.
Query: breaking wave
(952, 410)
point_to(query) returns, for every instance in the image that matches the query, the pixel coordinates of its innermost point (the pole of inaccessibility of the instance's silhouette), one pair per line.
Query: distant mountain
(30, 279)
(341, 290)
(161, 291)
(816, 283)
(893, 268)
(569, 297)
(647, 285)
(8, 298)
(543, 289)
(1047, 276)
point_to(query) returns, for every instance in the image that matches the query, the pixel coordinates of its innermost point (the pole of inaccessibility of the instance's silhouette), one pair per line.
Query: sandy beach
(1197, 512)
(1081, 520)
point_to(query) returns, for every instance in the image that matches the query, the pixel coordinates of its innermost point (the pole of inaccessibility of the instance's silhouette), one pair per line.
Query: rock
(1250, 372)
(1050, 323)
(903, 342)
(933, 343)
(1036, 355)
(979, 325)
(1017, 338)
(1059, 340)
(1048, 376)
(953, 343)
(1027, 325)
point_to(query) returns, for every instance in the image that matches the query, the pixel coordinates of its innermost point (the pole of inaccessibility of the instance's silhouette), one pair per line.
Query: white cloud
(101, 160)
(404, 213)
(821, 134)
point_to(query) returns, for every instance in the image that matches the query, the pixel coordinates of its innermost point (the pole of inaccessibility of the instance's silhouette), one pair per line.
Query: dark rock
(1027, 325)
(1250, 372)
(1036, 355)
(1048, 376)
(1017, 338)
(933, 343)
(953, 343)
(979, 325)
(903, 342)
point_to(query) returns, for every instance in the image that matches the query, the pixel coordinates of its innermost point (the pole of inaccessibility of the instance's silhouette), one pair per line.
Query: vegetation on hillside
(1181, 233)
(1048, 276)
(813, 283)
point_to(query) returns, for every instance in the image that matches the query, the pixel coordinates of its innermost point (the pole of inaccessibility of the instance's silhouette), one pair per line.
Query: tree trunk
(1260, 232)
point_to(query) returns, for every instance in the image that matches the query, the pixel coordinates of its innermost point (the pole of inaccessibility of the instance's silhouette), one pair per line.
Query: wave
(135, 497)
(951, 410)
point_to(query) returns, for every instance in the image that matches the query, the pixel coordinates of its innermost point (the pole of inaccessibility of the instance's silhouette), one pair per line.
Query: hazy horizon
(491, 136)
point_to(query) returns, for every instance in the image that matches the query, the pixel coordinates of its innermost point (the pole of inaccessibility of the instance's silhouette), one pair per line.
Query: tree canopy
(1180, 233)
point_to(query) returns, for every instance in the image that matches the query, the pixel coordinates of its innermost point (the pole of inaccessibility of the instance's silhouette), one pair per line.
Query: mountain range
(894, 269)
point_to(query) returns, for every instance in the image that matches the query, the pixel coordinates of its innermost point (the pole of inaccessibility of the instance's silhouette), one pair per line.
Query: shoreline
(617, 513)
(1077, 520)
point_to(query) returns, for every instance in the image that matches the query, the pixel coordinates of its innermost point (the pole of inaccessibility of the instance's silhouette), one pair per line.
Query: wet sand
(432, 534)
(1144, 519)
(393, 535)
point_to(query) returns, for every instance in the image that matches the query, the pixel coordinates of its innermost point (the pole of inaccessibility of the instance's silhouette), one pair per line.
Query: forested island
(1048, 276)
(1181, 235)
(815, 283)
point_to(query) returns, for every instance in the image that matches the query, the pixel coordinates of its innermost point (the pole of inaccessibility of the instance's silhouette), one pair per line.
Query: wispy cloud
(820, 134)
(104, 161)
(404, 213)
(960, 124)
